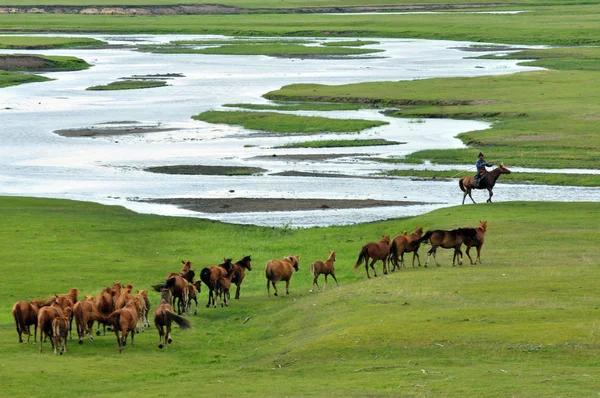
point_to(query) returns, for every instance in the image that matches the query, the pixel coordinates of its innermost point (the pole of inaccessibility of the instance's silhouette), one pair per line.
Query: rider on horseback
(481, 164)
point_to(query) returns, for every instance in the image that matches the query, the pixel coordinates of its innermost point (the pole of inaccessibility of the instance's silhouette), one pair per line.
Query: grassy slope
(285, 123)
(52, 63)
(564, 25)
(271, 49)
(522, 324)
(13, 79)
(38, 43)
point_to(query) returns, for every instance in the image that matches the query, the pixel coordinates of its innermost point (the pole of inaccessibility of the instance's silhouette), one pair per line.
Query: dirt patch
(109, 131)
(316, 157)
(198, 9)
(251, 205)
(206, 170)
(25, 62)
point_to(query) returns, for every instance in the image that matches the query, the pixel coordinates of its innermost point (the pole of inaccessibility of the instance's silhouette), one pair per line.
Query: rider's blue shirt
(481, 165)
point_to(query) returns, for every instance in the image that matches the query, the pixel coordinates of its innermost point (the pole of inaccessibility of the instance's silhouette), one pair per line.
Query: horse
(104, 305)
(281, 270)
(192, 292)
(25, 314)
(124, 297)
(326, 268)
(186, 272)
(467, 183)
(239, 272)
(375, 251)
(124, 320)
(72, 295)
(45, 317)
(210, 275)
(223, 286)
(405, 244)
(163, 317)
(480, 232)
(144, 295)
(448, 240)
(85, 313)
(60, 329)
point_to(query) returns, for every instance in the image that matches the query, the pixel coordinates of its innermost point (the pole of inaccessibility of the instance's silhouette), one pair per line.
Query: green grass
(207, 170)
(560, 179)
(350, 43)
(557, 24)
(298, 107)
(43, 43)
(270, 49)
(13, 79)
(545, 119)
(339, 143)
(43, 63)
(522, 324)
(285, 123)
(238, 41)
(129, 85)
(562, 58)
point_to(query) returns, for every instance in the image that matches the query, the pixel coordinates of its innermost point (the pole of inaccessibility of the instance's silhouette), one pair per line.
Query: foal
(163, 317)
(60, 328)
(319, 267)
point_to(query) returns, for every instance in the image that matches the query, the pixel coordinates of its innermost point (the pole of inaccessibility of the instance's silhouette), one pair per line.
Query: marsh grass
(339, 143)
(524, 323)
(349, 43)
(129, 85)
(286, 123)
(304, 106)
(39, 43)
(13, 79)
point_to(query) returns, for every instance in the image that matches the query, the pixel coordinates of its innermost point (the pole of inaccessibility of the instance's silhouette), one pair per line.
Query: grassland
(13, 79)
(206, 170)
(522, 324)
(41, 63)
(350, 43)
(303, 106)
(339, 143)
(285, 123)
(129, 85)
(45, 43)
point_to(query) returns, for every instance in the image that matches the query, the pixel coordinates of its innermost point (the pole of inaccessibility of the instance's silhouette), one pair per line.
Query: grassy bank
(545, 119)
(41, 63)
(129, 85)
(285, 123)
(207, 170)
(13, 79)
(298, 107)
(559, 24)
(45, 43)
(339, 143)
(522, 324)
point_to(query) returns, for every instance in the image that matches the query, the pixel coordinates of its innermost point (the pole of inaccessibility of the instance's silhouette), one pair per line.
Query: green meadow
(13, 79)
(339, 143)
(525, 323)
(129, 85)
(45, 43)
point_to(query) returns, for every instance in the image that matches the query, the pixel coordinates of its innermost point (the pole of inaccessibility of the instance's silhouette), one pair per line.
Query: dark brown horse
(448, 240)
(480, 232)
(375, 251)
(210, 275)
(323, 267)
(163, 317)
(25, 314)
(239, 272)
(467, 184)
(405, 244)
(281, 270)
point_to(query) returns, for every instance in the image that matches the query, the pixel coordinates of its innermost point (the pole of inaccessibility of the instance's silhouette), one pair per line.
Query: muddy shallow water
(34, 161)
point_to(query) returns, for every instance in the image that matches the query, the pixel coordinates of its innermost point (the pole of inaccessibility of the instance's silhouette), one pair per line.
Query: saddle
(480, 181)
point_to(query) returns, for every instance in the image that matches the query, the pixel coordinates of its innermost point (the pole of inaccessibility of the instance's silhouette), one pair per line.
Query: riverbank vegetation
(45, 42)
(8, 79)
(206, 170)
(285, 123)
(301, 106)
(129, 85)
(522, 324)
(41, 63)
(339, 143)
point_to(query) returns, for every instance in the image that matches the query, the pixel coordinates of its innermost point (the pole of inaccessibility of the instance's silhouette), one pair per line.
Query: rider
(481, 164)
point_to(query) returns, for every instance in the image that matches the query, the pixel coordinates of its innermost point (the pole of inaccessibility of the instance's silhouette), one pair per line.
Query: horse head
(331, 256)
(418, 231)
(503, 170)
(385, 239)
(295, 261)
(483, 225)
(246, 262)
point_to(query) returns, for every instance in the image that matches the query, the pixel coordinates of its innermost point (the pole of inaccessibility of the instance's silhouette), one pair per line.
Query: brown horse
(448, 240)
(104, 305)
(239, 272)
(45, 317)
(85, 313)
(210, 276)
(375, 251)
(60, 329)
(405, 244)
(124, 320)
(25, 314)
(480, 232)
(467, 184)
(326, 268)
(163, 317)
(144, 295)
(192, 292)
(281, 270)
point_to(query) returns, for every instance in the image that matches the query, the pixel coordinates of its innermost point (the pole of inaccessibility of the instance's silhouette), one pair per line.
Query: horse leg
(478, 247)
(416, 254)
(468, 255)
(209, 296)
(384, 261)
(237, 291)
(169, 339)
(402, 264)
(373, 267)
(268, 288)
(287, 287)
(325, 283)
(315, 283)
(367, 268)
(274, 288)
(491, 194)
(161, 332)
(334, 278)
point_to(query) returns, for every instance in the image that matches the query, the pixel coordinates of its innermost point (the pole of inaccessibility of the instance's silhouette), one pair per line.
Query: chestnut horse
(448, 240)
(375, 251)
(210, 275)
(281, 270)
(60, 329)
(480, 232)
(86, 312)
(25, 314)
(104, 305)
(467, 184)
(223, 286)
(192, 292)
(45, 317)
(163, 317)
(405, 244)
(239, 272)
(124, 320)
(326, 268)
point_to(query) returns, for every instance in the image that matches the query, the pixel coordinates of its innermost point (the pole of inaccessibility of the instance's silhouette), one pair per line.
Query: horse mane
(244, 261)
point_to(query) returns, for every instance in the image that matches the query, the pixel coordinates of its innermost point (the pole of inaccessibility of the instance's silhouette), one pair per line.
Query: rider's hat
(480, 154)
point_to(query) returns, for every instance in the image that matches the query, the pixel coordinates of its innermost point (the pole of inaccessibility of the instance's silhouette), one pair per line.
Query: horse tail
(362, 256)
(114, 319)
(312, 268)
(394, 251)
(424, 238)
(462, 185)
(159, 287)
(18, 319)
(181, 321)
(170, 282)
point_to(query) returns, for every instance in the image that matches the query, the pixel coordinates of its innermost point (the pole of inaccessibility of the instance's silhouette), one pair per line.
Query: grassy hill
(525, 323)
